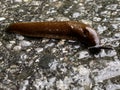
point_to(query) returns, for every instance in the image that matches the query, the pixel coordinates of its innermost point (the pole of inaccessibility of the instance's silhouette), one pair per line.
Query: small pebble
(62, 19)
(77, 46)
(18, 0)
(76, 15)
(19, 37)
(2, 18)
(26, 0)
(105, 13)
(101, 29)
(39, 50)
(45, 40)
(83, 71)
(62, 42)
(12, 42)
(112, 7)
(25, 43)
(64, 50)
(96, 19)
(112, 86)
(17, 48)
(9, 46)
(24, 84)
(0, 43)
(49, 45)
(61, 85)
(83, 54)
(87, 22)
(53, 0)
(23, 56)
(108, 54)
(117, 19)
(117, 35)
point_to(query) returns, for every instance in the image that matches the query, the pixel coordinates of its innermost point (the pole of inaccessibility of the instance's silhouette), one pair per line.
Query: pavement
(52, 64)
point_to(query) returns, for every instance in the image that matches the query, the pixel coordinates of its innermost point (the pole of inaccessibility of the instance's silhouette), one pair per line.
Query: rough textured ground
(49, 64)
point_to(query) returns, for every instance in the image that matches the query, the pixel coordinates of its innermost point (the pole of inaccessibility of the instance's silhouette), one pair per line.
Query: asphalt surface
(52, 64)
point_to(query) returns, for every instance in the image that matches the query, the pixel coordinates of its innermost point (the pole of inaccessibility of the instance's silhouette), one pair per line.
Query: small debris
(2, 18)
(17, 48)
(25, 43)
(76, 15)
(39, 50)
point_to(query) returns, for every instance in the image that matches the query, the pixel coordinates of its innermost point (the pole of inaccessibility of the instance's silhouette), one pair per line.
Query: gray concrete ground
(50, 64)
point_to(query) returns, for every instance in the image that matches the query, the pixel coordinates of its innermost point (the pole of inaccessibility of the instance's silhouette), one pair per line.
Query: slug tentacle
(60, 30)
(96, 49)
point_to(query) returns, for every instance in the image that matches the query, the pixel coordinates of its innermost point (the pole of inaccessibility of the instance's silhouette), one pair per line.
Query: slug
(60, 30)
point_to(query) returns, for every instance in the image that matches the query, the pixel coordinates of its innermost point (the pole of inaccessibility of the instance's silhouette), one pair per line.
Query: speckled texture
(50, 64)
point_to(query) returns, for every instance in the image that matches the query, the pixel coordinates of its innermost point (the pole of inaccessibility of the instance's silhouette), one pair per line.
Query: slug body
(58, 30)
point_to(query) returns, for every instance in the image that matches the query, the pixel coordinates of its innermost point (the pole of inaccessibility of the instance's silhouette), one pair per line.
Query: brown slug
(60, 30)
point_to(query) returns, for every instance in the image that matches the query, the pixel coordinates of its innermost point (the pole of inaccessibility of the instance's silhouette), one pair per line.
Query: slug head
(91, 38)
(86, 35)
